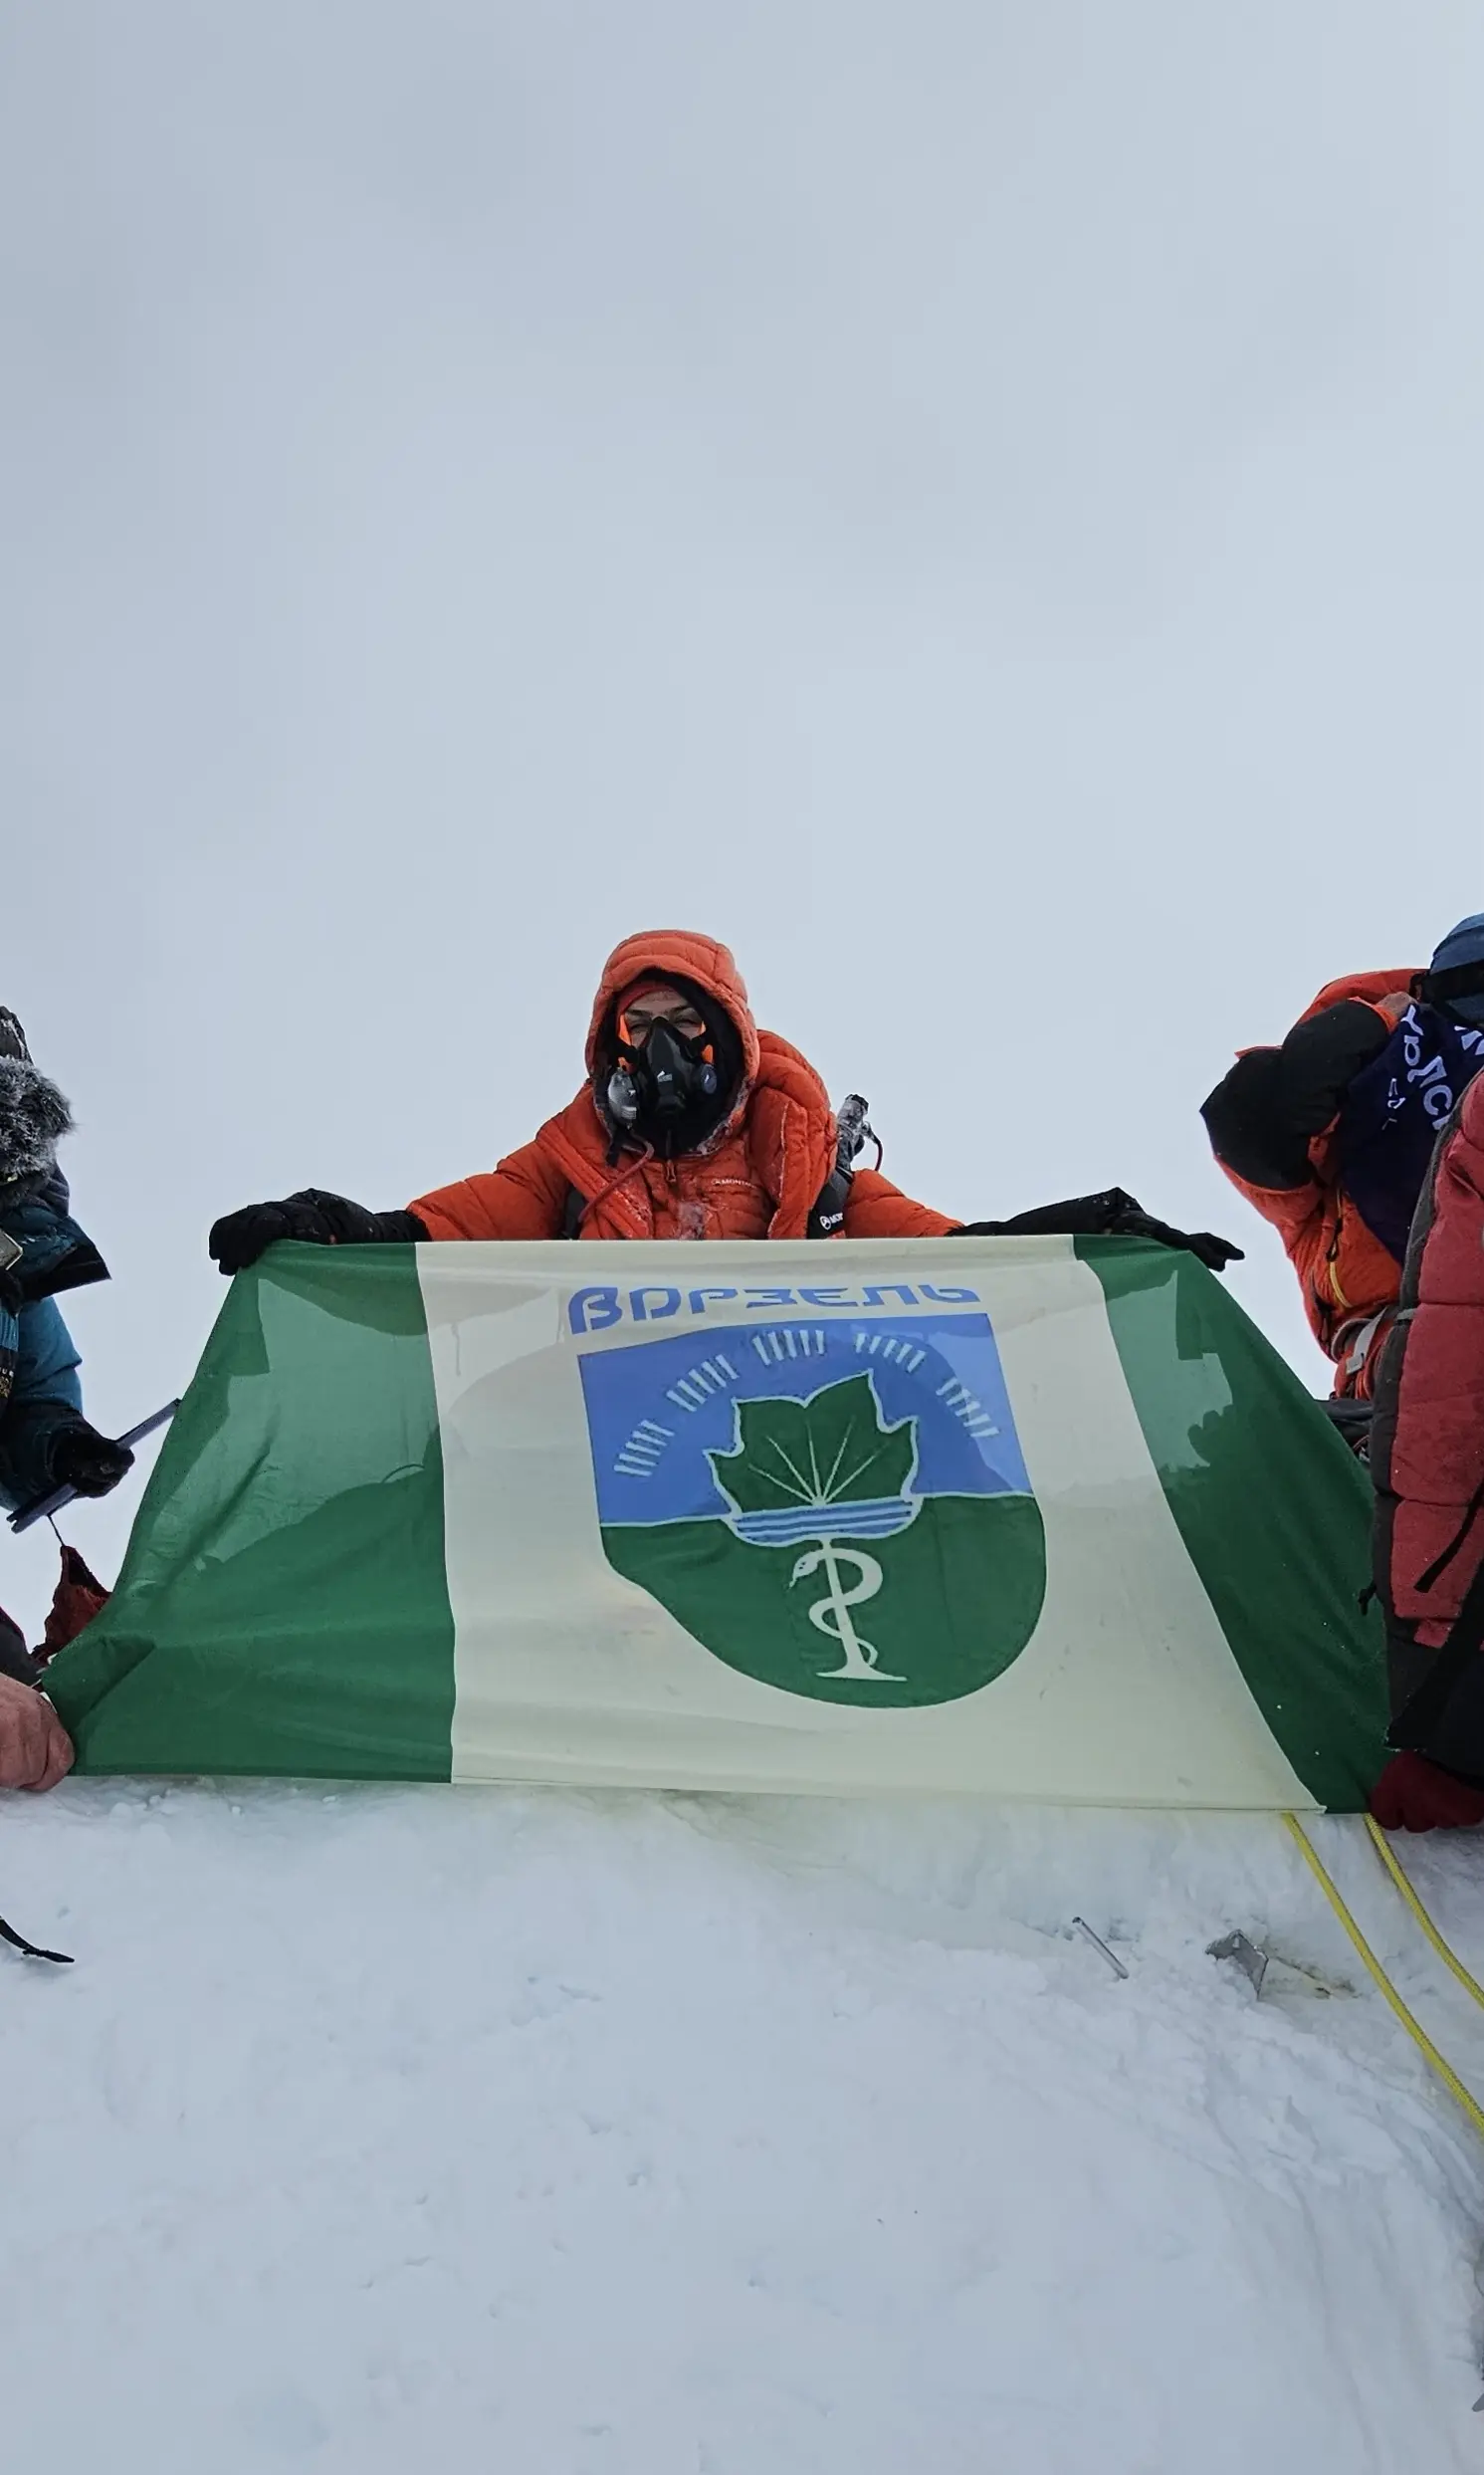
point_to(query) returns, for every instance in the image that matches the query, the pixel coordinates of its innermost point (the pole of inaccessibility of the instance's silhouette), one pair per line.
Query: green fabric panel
(283, 1607)
(964, 1589)
(1274, 1509)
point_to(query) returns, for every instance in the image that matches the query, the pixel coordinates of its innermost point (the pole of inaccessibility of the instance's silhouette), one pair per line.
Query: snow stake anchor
(1244, 1954)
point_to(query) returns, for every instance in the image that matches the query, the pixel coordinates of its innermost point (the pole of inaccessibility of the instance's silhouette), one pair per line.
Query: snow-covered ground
(395, 2130)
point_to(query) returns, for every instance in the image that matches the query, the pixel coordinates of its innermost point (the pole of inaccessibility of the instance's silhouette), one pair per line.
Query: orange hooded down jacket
(758, 1176)
(1350, 1281)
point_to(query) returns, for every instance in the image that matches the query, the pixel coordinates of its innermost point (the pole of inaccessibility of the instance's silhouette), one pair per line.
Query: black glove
(1215, 1253)
(314, 1218)
(16, 1661)
(77, 1456)
(1112, 1213)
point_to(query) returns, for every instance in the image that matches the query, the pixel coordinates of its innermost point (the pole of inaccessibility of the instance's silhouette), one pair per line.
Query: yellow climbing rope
(1393, 1866)
(1414, 2026)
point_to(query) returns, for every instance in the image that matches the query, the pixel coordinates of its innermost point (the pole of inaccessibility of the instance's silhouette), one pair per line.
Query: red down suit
(1428, 1461)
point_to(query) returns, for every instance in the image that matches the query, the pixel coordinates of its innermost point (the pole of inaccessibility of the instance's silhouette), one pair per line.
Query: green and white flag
(1022, 1516)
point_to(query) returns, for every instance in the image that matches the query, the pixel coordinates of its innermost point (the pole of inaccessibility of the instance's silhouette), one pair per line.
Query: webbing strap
(1358, 1336)
(1409, 2022)
(1393, 1866)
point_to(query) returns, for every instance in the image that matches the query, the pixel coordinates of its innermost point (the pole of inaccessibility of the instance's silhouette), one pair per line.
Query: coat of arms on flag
(838, 1507)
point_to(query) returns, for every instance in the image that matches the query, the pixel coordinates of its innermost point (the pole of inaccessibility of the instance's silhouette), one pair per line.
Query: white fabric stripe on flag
(1127, 1692)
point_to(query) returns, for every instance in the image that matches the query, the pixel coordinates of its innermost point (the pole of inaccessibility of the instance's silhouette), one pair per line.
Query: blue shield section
(655, 1409)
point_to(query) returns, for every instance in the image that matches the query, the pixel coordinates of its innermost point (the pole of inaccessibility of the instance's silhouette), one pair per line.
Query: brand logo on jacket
(1426, 1069)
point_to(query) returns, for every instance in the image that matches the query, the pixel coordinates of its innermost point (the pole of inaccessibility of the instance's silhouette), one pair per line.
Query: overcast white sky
(977, 505)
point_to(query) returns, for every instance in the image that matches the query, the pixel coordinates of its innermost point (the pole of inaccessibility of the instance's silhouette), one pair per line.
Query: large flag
(1022, 1516)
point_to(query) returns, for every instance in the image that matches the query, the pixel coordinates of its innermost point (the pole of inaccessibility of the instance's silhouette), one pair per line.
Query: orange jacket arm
(877, 1209)
(525, 1196)
(1297, 1213)
(1346, 1275)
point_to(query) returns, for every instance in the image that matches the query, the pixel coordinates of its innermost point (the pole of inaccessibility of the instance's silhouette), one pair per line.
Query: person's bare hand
(34, 1747)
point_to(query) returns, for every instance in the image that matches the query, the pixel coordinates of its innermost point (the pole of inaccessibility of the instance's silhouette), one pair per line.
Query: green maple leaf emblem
(811, 1456)
(826, 1563)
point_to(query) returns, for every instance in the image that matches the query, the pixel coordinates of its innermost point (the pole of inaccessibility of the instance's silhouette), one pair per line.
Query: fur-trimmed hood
(34, 1116)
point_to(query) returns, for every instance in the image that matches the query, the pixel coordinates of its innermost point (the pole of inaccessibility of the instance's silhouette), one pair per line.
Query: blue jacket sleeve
(44, 1396)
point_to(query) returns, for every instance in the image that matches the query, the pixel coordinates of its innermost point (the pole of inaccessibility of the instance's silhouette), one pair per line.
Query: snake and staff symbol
(821, 1473)
(831, 1615)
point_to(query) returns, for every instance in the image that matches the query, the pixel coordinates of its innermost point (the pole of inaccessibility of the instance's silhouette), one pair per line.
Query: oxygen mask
(664, 1085)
